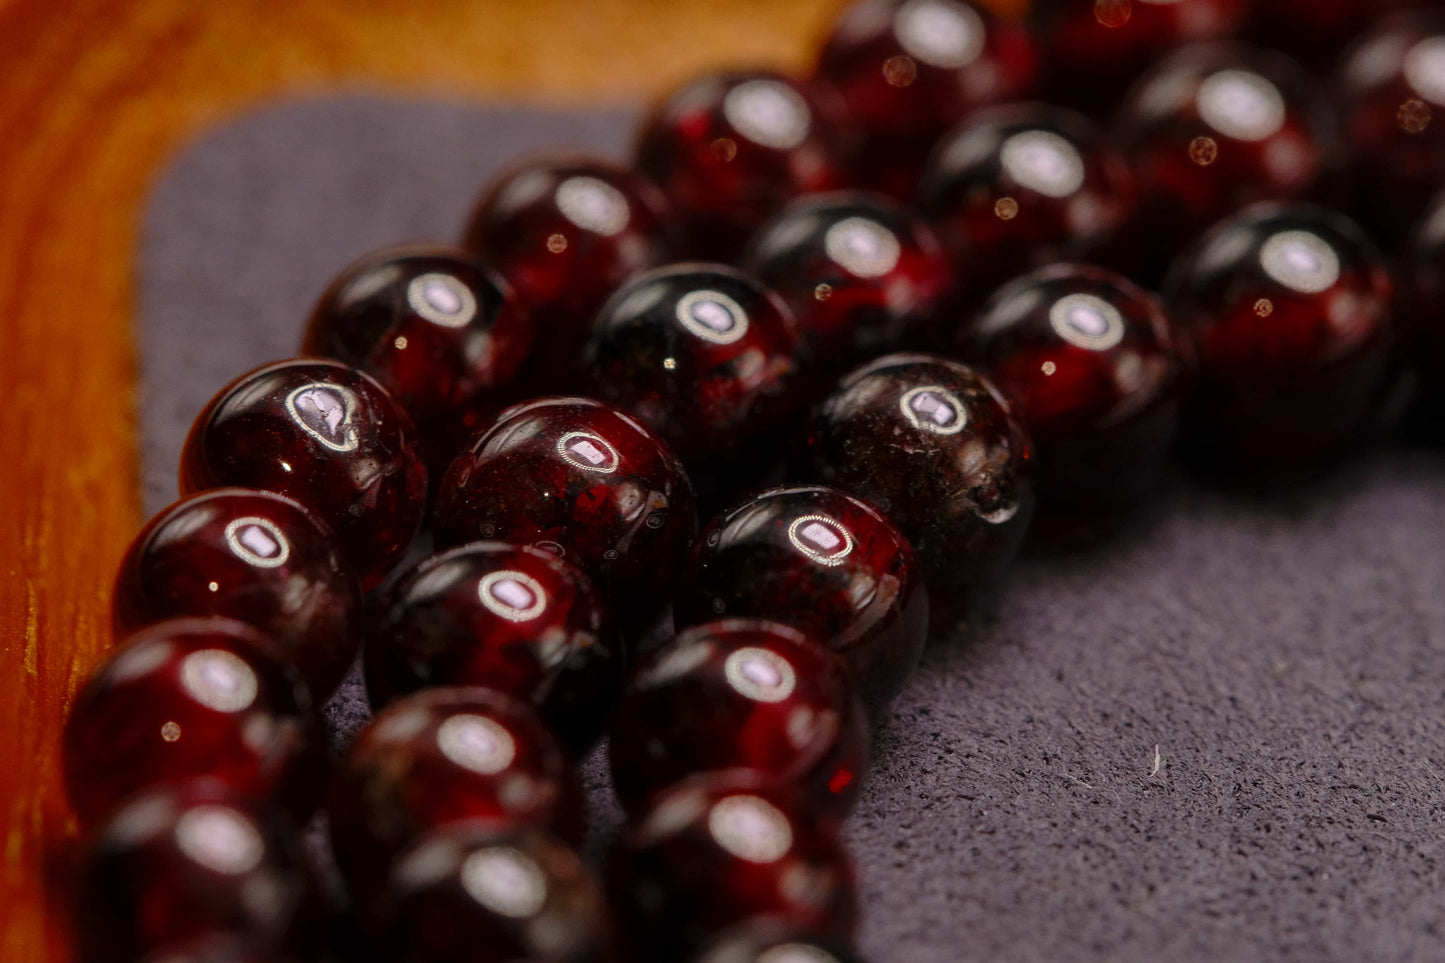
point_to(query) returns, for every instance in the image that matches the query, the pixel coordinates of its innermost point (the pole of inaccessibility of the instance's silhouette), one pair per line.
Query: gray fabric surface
(1219, 737)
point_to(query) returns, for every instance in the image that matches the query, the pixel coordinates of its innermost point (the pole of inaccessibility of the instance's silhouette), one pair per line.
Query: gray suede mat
(1219, 737)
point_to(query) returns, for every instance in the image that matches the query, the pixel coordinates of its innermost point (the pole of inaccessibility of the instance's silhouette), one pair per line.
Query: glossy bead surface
(515, 619)
(194, 697)
(933, 445)
(861, 273)
(1097, 372)
(326, 435)
(466, 894)
(730, 149)
(908, 70)
(193, 860)
(566, 234)
(1289, 308)
(768, 941)
(825, 563)
(253, 556)
(719, 850)
(1024, 185)
(740, 694)
(443, 756)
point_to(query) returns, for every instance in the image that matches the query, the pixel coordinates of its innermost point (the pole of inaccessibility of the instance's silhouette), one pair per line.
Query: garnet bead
(730, 149)
(1289, 310)
(1024, 185)
(825, 563)
(908, 70)
(861, 273)
(937, 449)
(515, 619)
(253, 556)
(1096, 371)
(194, 697)
(326, 435)
(740, 694)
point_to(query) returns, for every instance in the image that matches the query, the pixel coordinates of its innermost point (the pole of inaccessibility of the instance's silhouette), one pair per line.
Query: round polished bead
(326, 435)
(443, 756)
(566, 234)
(1097, 372)
(1024, 185)
(908, 70)
(740, 694)
(194, 697)
(825, 563)
(1289, 308)
(191, 860)
(936, 447)
(468, 894)
(254, 556)
(703, 354)
(730, 149)
(516, 619)
(768, 941)
(861, 273)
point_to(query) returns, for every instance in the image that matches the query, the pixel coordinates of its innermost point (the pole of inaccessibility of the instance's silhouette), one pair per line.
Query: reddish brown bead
(1097, 372)
(515, 619)
(908, 70)
(1021, 186)
(326, 435)
(254, 556)
(566, 234)
(194, 697)
(730, 149)
(861, 273)
(467, 894)
(1289, 308)
(443, 756)
(825, 563)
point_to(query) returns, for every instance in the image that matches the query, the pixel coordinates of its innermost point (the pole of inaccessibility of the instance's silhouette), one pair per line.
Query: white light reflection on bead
(821, 538)
(588, 452)
(515, 596)
(505, 881)
(750, 828)
(1424, 68)
(476, 743)
(1301, 261)
(769, 113)
(796, 953)
(220, 839)
(218, 680)
(940, 32)
(760, 675)
(863, 246)
(934, 409)
(1043, 161)
(593, 205)
(712, 316)
(258, 541)
(1240, 104)
(323, 411)
(441, 299)
(1087, 321)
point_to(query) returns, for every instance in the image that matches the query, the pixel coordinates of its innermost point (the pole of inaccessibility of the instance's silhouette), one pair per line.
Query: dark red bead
(254, 556)
(566, 234)
(326, 435)
(768, 941)
(1021, 186)
(1289, 308)
(1097, 372)
(443, 756)
(515, 619)
(825, 563)
(861, 273)
(193, 860)
(936, 447)
(740, 694)
(908, 70)
(730, 149)
(467, 894)
(581, 480)
(704, 355)
(194, 697)
(721, 849)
